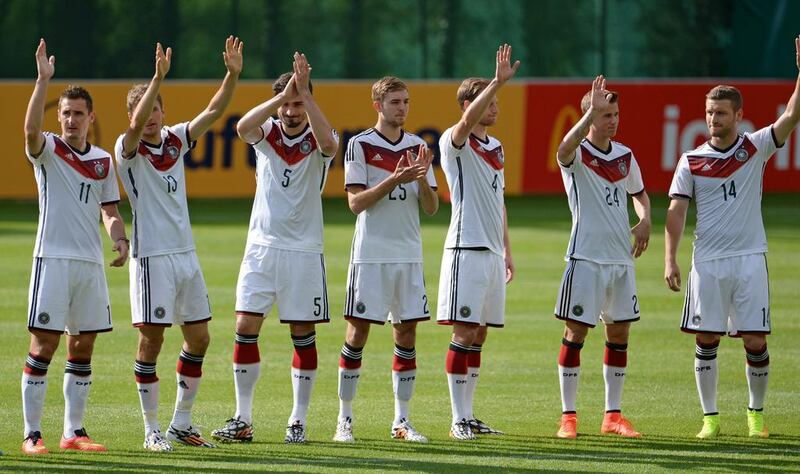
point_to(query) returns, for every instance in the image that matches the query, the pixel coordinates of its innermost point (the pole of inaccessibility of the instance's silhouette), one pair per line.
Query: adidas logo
(707, 167)
(183, 385)
(377, 157)
(594, 162)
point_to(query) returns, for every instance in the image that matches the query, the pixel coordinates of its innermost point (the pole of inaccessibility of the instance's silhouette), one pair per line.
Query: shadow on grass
(509, 454)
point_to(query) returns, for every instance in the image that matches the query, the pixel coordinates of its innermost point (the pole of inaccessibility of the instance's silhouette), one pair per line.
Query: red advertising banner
(659, 121)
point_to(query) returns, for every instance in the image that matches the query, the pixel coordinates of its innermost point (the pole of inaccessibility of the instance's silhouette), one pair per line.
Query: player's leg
(755, 345)
(473, 374)
(706, 376)
(569, 370)
(615, 361)
(404, 376)
(34, 387)
(189, 371)
(77, 381)
(349, 373)
(464, 336)
(304, 374)
(151, 339)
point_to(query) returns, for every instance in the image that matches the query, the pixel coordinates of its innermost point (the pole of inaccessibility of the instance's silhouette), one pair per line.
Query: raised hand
(232, 56)
(44, 66)
(504, 70)
(163, 61)
(420, 162)
(599, 98)
(404, 172)
(302, 73)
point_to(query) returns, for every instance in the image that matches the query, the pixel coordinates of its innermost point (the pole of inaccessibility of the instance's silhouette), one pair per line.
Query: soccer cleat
(569, 426)
(461, 430)
(481, 428)
(710, 427)
(615, 423)
(755, 424)
(235, 431)
(34, 444)
(344, 431)
(405, 431)
(155, 442)
(189, 437)
(295, 433)
(81, 442)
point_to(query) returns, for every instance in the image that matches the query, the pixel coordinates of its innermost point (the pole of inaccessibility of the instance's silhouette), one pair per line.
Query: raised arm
(34, 139)
(641, 231)
(232, 56)
(115, 227)
(573, 138)
(791, 116)
(144, 108)
(249, 126)
(475, 110)
(320, 128)
(673, 230)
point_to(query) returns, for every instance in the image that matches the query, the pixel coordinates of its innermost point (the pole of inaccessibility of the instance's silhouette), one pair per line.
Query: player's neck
(154, 139)
(77, 143)
(294, 131)
(601, 143)
(391, 132)
(479, 131)
(723, 143)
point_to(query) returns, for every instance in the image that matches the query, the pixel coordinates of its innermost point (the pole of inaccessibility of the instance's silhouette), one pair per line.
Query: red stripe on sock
(400, 365)
(189, 369)
(615, 358)
(246, 354)
(32, 371)
(305, 359)
(456, 362)
(473, 359)
(349, 363)
(146, 379)
(569, 357)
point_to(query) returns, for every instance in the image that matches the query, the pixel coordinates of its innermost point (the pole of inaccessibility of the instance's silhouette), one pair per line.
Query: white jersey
(597, 184)
(290, 174)
(156, 185)
(726, 185)
(475, 175)
(388, 231)
(72, 186)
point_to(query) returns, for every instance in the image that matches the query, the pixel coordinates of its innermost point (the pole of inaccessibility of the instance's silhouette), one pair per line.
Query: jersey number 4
(612, 198)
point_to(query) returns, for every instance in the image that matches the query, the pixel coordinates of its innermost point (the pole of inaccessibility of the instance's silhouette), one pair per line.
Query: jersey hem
(284, 247)
(361, 260)
(162, 252)
(627, 263)
(729, 255)
(71, 257)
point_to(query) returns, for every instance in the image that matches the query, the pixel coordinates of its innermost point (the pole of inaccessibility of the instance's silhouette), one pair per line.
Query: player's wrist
(124, 239)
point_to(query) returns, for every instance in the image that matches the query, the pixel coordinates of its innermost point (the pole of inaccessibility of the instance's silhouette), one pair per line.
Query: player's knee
(248, 324)
(576, 333)
(44, 344)
(754, 342)
(465, 334)
(706, 339)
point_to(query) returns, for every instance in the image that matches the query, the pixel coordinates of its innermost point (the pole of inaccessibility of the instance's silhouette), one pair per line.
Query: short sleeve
(634, 183)
(181, 130)
(446, 147)
(765, 142)
(110, 192)
(355, 167)
(47, 150)
(262, 145)
(431, 178)
(576, 159)
(336, 139)
(682, 186)
(118, 153)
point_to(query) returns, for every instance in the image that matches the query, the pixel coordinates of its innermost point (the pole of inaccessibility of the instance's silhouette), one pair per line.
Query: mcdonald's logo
(566, 118)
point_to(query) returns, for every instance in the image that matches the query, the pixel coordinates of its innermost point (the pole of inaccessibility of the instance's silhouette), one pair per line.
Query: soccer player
(166, 282)
(476, 264)
(387, 177)
(728, 289)
(599, 281)
(283, 262)
(77, 185)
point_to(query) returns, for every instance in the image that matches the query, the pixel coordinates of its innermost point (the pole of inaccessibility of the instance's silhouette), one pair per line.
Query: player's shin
(304, 373)
(188, 373)
(706, 375)
(34, 388)
(757, 377)
(148, 386)
(349, 373)
(456, 368)
(246, 371)
(473, 372)
(77, 380)
(614, 365)
(569, 369)
(404, 376)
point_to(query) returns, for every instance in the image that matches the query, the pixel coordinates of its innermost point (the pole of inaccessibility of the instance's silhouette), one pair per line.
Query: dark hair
(76, 92)
(723, 92)
(135, 96)
(470, 89)
(280, 83)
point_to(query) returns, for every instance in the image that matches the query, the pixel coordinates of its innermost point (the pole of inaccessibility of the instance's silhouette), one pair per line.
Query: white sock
(615, 379)
(403, 387)
(187, 391)
(568, 378)
(148, 400)
(472, 383)
(757, 377)
(706, 376)
(348, 382)
(245, 377)
(302, 383)
(457, 383)
(76, 394)
(34, 388)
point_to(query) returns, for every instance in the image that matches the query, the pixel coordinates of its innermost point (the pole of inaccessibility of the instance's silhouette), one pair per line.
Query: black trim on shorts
(326, 315)
(144, 264)
(297, 321)
(687, 300)
(249, 313)
(740, 333)
(696, 331)
(95, 331)
(575, 321)
(494, 325)
(351, 291)
(35, 293)
(566, 291)
(57, 331)
(138, 325)
(199, 321)
(360, 318)
(454, 270)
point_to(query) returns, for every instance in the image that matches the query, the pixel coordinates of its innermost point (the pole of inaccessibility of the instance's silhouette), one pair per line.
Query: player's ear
(739, 115)
(91, 117)
(377, 106)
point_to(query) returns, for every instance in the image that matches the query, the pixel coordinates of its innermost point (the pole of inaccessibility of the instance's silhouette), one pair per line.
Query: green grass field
(518, 392)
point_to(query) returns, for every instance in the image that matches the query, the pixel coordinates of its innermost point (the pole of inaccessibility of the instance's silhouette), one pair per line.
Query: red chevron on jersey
(163, 161)
(291, 154)
(92, 169)
(493, 157)
(713, 167)
(384, 158)
(610, 170)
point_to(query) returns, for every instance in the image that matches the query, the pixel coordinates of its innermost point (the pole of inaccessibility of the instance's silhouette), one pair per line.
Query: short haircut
(135, 96)
(76, 92)
(723, 92)
(385, 85)
(280, 83)
(470, 89)
(586, 101)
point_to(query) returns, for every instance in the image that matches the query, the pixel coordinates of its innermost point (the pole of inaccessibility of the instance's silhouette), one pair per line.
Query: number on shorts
(764, 317)
(635, 304)
(425, 309)
(317, 306)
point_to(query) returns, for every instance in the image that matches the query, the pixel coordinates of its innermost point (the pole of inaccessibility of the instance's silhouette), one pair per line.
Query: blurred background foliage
(417, 39)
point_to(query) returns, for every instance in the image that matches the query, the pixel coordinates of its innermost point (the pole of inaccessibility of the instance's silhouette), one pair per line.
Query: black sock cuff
(188, 358)
(246, 338)
(706, 352)
(572, 345)
(79, 367)
(305, 341)
(617, 347)
(456, 347)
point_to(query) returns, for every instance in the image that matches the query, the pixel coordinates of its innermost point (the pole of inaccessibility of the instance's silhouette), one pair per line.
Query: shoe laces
(34, 436)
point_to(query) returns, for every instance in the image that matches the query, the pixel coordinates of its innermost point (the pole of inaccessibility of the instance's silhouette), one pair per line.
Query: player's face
(721, 119)
(292, 114)
(75, 119)
(490, 116)
(393, 109)
(153, 126)
(607, 123)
